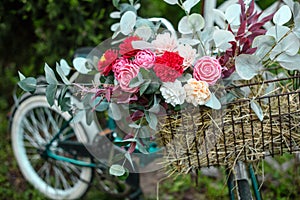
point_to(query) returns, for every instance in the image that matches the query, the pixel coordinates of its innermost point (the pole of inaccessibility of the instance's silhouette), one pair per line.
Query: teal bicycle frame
(49, 154)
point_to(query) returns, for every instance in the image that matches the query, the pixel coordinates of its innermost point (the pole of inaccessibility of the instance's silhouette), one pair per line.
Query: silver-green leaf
(61, 73)
(117, 170)
(28, 84)
(50, 76)
(213, 102)
(50, 93)
(247, 66)
(257, 109)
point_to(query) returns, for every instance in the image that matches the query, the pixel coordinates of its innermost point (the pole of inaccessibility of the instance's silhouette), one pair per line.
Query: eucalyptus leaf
(278, 32)
(155, 108)
(103, 106)
(140, 44)
(21, 76)
(51, 93)
(152, 120)
(61, 73)
(134, 125)
(80, 64)
(137, 81)
(65, 67)
(171, 2)
(247, 66)
(189, 4)
(289, 45)
(144, 87)
(263, 43)
(50, 76)
(115, 15)
(232, 14)
(128, 157)
(65, 104)
(28, 84)
(116, 3)
(127, 22)
(296, 29)
(62, 94)
(220, 18)
(257, 109)
(117, 170)
(142, 148)
(185, 77)
(114, 111)
(282, 16)
(213, 102)
(190, 24)
(153, 88)
(115, 27)
(144, 32)
(289, 62)
(222, 39)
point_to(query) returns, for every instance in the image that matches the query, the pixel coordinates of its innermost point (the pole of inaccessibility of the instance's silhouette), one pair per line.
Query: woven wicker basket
(199, 137)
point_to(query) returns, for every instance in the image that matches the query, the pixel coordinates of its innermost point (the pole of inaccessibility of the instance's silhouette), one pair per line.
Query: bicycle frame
(241, 174)
(49, 154)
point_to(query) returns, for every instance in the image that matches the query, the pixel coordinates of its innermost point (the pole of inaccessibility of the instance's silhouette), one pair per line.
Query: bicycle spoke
(33, 130)
(43, 124)
(31, 141)
(51, 120)
(65, 183)
(70, 170)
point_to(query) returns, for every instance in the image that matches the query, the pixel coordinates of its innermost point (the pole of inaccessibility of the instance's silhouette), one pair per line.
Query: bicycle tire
(244, 191)
(30, 131)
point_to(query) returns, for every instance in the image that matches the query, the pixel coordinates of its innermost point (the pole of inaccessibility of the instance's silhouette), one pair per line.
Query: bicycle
(55, 155)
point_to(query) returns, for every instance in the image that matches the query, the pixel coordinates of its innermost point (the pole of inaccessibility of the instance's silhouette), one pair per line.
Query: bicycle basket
(196, 138)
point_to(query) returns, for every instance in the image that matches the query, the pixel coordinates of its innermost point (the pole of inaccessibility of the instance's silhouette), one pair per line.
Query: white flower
(164, 42)
(188, 54)
(173, 92)
(197, 92)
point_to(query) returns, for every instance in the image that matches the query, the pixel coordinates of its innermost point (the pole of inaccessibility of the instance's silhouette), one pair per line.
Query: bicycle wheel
(33, 125)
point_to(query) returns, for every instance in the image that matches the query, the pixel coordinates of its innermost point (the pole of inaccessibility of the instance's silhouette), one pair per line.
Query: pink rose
(125, 75)
(119, 63)
(207, 69)
(145, 59)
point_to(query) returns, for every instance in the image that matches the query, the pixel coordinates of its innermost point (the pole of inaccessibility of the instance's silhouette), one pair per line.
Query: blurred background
(33, 32)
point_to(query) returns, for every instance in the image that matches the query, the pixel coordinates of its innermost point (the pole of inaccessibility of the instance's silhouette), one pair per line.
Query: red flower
(168, 67)
(106, 61)
(126, 46)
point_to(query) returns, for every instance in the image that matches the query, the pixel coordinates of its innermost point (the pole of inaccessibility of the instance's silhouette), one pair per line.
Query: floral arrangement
(145, 71)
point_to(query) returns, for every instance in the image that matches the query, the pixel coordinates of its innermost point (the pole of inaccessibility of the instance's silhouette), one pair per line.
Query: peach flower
(197, 92)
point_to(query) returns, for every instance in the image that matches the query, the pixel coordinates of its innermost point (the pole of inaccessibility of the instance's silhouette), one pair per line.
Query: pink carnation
(207, 69)
(145, 59)
(125, 75)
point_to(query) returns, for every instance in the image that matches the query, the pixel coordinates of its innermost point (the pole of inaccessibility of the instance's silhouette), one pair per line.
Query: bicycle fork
(240, 180)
